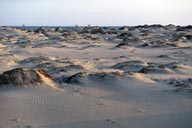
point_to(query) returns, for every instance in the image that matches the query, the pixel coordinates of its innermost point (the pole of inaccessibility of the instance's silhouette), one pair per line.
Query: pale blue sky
(95, 12)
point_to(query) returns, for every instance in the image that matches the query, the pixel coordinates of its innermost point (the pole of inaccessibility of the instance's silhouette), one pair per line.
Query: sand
(137, 77)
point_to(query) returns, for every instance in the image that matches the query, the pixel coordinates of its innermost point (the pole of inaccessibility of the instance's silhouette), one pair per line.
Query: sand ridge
(130, 76)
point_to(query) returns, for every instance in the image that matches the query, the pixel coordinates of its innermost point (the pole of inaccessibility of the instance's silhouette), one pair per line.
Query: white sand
(106, 96)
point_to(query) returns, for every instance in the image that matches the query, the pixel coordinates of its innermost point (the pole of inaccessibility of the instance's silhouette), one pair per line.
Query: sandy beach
(96, 77)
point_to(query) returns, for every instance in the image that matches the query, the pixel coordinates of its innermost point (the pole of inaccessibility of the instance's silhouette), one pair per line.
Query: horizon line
(90, 25)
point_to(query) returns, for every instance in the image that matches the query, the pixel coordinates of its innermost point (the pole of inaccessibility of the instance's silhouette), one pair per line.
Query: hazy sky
(95, 12)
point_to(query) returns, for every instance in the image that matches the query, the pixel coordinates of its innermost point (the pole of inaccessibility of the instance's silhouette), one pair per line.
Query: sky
(94, 12)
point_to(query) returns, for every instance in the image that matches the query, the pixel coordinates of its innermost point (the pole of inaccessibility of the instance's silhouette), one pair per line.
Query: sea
(36, 27)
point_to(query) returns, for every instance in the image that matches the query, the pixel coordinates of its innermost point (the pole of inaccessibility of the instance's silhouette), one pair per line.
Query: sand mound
(142, 78)
(75, 79)
(124, 28)
(181, 84)
(95, 76)
(122, 45)
(131, 66)
(41, 29)
(91, 37)
(22, 77)
(97, 30)
(156, 68)
(128, 37)
(179, 67)
(2, 46)
(67, 68)
(166, 68)
(59, 29)
(24, 43)
(175, 65)
(71, 35)
(124, 35)
(39, 59)
(184, 37)
(93, 30)
(106, 75)
(184, 28)
(158, 43)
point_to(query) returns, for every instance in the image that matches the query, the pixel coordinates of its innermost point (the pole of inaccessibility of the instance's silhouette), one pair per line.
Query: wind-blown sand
(137, 77)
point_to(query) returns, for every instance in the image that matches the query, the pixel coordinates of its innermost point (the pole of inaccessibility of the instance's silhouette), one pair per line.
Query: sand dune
(108, 77)
(131, 66)
(26, 78)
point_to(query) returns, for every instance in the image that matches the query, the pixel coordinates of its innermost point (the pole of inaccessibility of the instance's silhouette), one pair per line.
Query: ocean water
(36, 27)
